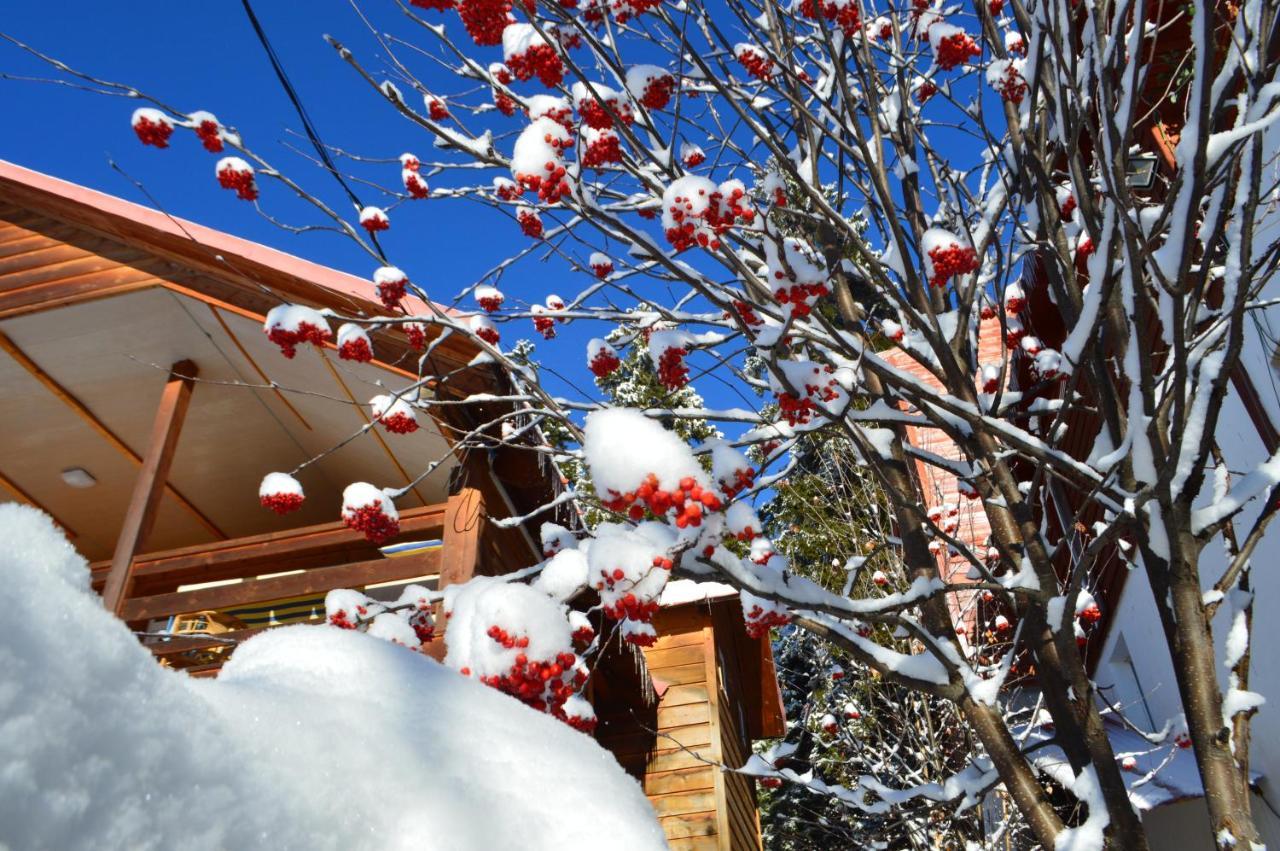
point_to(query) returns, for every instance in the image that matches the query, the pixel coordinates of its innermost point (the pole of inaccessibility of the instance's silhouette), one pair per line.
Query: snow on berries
(1031, 345)
(1014, 331)
(394, 413)
(234, 173)
(851, 712)
(695, 211)
(762, 615)
(1048, 364)
(437, 109)
(880, 579)
(1005, 76)
(946, 256)
(281, 493)
(517, 640)
(599, 148)
(1014, 299)
(636, 464)
(775, 187)
(1014, 43)
(489, 298)
(354, 343)
(843, 13)
(923, 89)
(1087, 608)
(1128, 763)
(629, 566)
(892, 330)
(411, 176)
(651, 85)
(416, 334)
(552, 107)
(742, 521)
(485, 20)
(537, 160)
(530, 222)
(290, 325)
(667, 350)
(829, 724)
(583, 632)
(595, 102)
(543, 324)
(555, 538)
(1066, 201)
(374, 219)
(368, 510)
(564, 574)
(731, 470)
(207, 130)
(528, 54)
(809, 388)
(601, 264)
(951, 45)
(602, 358)
(624, 10)
(389, 283)
(152, 126)
(754, 60)
(797, 274)
(483, 327)
(346, 608)
(691, 155)
(990, 374)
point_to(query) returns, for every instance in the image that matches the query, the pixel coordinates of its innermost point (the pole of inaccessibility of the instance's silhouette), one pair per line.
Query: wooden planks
(140, 516)
(315, 581)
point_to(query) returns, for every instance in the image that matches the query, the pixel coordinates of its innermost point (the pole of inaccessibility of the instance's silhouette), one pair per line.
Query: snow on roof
(312, 737)
(680, 591)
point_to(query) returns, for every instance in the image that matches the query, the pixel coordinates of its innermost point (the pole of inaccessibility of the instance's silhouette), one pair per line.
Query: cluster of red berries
(544, 685)
(603, 269)
(485, 20)
(629, 606)
(288, 339)
(845, 15)
(281, 503)
(624, 10)
(1084, 249)
(1091, 614)
(209, 135)
(422, 625)
(658, 91)
(602, 150)
(416, 334)
(414, 184)
(603, 363)
(688, 500)
(1013, 88)
(746, 312)
(798, 410)
(1017, 46)
(673, 372)
(584, 634)
(720, 214)
(771, 782)
(356, 349)
(798, 295)
(374, 221)
(951, 260)
(760, 621)
(956, 50)
(995, 7)
(694, 157)
(241, 181)
(434, 5)
(926, 90)
(946, 517)
(743, 478)
(530, 223)
(540, 60)
(399, 423)
(390, 292)
(504, 102)
(1068, 207)
(436, 108)
(152, 132)
(342, 620)
(595, 115)
(545, 325)
(489, 334)
(372, 522)
(755, 62)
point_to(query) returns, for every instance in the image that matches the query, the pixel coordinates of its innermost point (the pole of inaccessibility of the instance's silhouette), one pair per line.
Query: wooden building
(143, 404)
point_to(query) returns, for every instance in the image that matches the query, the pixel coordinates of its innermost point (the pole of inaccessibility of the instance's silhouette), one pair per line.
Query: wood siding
(696, 727)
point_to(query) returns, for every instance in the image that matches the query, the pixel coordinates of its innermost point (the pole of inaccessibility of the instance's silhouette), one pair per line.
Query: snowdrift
(313, 737)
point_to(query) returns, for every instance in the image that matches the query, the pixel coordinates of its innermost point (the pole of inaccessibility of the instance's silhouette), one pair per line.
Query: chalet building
(127, 339)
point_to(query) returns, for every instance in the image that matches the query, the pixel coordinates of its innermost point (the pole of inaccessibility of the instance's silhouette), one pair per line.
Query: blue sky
(206, 56)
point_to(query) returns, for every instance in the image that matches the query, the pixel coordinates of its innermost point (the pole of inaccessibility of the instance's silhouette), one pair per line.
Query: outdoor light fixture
(1142, 171)
(78, 477)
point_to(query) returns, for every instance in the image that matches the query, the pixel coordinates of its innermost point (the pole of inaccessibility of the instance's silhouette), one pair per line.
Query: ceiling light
(78, 477)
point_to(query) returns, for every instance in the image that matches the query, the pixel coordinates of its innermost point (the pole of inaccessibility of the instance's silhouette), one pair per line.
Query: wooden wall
(698, 727)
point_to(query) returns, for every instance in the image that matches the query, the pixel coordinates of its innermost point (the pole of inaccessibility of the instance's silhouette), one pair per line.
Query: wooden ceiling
(110, 356)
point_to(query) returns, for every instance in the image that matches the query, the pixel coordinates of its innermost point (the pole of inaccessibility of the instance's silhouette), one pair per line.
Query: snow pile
(312, 737)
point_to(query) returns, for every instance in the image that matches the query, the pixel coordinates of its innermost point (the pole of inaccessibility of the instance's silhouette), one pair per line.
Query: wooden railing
(327, 556)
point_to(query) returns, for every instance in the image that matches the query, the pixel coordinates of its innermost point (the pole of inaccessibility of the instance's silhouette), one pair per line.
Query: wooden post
(150, 485)
(463, 528)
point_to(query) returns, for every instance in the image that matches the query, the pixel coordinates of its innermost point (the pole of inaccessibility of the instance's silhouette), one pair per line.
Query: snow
(279, 483)
(359, 494)
(622, 446)
(312, 737)
(678, 592)
(564, 575)
(533, 149)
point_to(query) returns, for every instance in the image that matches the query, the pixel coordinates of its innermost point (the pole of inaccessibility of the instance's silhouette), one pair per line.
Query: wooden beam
(180, 644)
(12, 487)
(315, 581)
(140, 516)
(241, 558)
(99, 426)
(464, 522)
